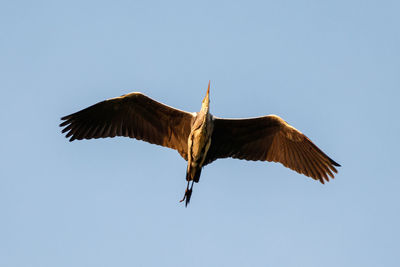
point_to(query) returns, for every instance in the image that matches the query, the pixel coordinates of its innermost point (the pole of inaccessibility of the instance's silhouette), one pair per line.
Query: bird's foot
(184, 196)
(188, 194)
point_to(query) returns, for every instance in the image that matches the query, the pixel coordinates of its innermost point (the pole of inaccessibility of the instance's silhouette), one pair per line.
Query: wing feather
(134, 115)
(269, 138)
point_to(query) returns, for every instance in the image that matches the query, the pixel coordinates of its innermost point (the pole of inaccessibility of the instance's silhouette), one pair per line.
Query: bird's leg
(188, 194)
(186, 191)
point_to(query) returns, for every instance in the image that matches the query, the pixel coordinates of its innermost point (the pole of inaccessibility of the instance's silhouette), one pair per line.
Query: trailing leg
(188, 194)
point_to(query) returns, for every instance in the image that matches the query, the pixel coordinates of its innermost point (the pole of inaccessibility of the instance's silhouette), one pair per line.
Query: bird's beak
(206, 98)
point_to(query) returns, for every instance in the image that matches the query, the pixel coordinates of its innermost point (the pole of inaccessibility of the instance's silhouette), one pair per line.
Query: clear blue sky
(330, 68)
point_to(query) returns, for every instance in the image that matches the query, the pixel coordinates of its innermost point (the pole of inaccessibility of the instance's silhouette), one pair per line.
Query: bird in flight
(199, 137)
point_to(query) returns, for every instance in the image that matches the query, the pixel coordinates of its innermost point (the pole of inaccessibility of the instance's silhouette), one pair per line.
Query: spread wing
(269, 138)
(134, 115)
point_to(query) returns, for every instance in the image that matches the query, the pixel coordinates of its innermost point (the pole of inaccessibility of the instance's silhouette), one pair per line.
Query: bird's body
(200, 138)
(199, 142)
(198, 145)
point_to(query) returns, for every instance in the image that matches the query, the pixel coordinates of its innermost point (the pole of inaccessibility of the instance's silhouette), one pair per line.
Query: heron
(199, 137)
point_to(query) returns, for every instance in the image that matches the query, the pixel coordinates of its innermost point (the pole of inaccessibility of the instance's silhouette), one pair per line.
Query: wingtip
(336, 164)
(65, 117)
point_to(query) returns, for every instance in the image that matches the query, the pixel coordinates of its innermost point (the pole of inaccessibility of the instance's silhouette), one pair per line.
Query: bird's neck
(205, 108)
(203, 116)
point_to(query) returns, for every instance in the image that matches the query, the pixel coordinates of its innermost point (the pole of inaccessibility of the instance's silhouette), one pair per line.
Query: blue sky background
(330, 68)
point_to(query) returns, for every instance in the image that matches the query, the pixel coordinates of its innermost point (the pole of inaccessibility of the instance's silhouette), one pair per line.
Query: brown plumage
(133, 115)
(269, 138)
(200, 138)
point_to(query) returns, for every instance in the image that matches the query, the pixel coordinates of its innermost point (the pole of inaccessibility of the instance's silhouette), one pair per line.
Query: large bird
(200, 138)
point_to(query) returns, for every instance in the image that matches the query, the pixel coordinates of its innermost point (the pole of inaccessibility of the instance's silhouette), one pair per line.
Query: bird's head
(206, 101)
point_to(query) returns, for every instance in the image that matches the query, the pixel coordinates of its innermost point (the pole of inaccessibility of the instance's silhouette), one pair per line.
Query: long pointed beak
(207, 97)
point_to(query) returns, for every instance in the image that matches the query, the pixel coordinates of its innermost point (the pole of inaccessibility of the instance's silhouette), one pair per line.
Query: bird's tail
(193, 174)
